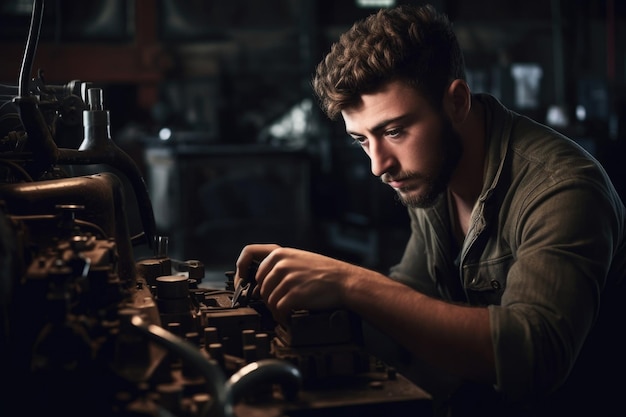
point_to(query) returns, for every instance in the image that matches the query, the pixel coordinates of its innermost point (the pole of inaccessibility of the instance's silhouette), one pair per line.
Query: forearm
(454, 338)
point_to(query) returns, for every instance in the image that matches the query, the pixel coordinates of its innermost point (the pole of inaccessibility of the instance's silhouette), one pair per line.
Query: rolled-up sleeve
(563, 242)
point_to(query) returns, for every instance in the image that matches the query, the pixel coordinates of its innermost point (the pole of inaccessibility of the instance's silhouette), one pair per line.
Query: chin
(416, 199)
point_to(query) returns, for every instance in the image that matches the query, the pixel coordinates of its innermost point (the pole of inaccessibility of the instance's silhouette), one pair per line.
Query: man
(507, 300)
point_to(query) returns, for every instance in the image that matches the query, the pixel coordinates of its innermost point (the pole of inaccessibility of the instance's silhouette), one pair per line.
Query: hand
(290, 279)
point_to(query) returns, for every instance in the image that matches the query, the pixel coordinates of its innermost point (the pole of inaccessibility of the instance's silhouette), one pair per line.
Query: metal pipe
(31, 47)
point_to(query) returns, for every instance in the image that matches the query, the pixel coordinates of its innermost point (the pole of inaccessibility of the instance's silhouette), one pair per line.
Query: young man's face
(412, 147)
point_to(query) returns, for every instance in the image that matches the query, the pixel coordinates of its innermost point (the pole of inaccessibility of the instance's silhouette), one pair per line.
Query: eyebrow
(380, 126)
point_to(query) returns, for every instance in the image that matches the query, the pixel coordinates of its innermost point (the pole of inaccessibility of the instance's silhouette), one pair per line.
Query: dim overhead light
(165, 133)
(375, 3)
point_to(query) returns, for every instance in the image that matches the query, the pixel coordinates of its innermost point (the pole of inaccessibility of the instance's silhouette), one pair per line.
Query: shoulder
(532, 149)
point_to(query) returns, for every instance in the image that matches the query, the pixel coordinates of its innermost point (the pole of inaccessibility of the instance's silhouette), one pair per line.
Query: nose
(381, 158)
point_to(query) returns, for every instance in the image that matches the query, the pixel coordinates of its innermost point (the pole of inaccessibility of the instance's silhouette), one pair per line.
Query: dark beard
(452, 151)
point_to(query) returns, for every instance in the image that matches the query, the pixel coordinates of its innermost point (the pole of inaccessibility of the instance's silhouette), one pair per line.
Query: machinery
(88, 328)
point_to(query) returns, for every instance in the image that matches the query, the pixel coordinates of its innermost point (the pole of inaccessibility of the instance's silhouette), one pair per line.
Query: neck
(467, 181)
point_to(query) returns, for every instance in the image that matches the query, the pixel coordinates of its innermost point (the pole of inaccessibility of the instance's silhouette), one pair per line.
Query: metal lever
(245, 287)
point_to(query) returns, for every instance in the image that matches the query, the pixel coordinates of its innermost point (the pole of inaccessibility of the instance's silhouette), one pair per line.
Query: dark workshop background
(212, 99)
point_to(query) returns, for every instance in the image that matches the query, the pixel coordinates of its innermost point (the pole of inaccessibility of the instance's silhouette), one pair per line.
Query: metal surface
(87, 328)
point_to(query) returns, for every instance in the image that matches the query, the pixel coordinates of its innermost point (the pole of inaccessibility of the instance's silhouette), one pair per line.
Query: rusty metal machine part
(87, 328)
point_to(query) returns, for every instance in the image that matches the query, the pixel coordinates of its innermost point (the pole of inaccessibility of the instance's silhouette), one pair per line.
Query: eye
(395, 132)
(360, 140)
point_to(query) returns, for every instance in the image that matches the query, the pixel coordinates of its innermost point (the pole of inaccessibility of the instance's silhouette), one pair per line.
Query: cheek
(423, 155)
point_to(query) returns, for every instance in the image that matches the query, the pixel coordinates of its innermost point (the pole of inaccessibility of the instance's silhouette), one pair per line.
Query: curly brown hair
(415, 44)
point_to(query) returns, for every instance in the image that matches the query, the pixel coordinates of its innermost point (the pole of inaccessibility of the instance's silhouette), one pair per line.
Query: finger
(277, 288)
(265, 275)
(245, 257)
(281, 315)
(250, 253)
(286, 288)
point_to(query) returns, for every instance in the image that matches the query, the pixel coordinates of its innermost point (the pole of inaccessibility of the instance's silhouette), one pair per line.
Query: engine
(88, 327)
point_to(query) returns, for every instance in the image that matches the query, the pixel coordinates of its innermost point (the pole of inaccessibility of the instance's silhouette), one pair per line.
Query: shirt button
(495, 284)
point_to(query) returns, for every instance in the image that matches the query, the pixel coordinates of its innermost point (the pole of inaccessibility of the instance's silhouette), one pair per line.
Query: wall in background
(224, 73)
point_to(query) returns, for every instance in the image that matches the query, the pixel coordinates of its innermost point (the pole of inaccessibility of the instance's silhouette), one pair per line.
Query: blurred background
(212, 100)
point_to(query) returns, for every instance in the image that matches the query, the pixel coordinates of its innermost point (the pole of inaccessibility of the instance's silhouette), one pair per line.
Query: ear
(457, 101)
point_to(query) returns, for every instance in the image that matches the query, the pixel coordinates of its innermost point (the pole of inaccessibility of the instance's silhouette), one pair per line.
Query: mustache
(387, 177)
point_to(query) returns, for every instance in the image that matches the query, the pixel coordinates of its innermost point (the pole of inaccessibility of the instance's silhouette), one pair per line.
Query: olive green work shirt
(545, 252)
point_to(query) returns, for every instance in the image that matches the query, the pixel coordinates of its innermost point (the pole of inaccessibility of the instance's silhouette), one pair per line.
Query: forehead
(394, 99)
